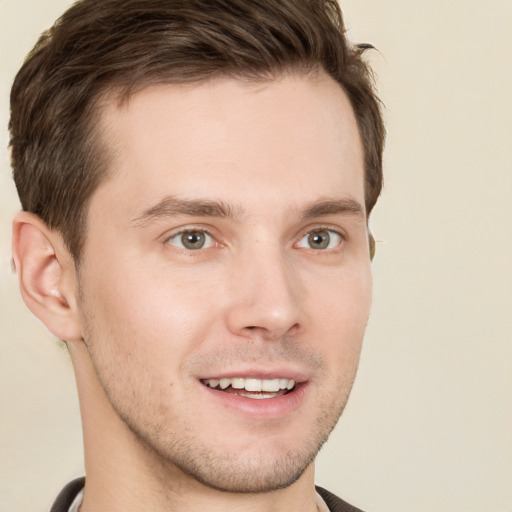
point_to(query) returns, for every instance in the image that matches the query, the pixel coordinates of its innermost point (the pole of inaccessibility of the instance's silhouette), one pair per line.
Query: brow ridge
(171, 206)
(345, 206)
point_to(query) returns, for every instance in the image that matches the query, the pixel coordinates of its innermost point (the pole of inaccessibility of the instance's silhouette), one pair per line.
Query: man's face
(228, 249)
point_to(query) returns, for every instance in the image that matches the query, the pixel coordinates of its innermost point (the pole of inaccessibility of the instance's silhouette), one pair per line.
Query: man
(196, 178)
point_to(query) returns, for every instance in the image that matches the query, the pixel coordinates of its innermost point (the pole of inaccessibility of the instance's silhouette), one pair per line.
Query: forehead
(277, 142)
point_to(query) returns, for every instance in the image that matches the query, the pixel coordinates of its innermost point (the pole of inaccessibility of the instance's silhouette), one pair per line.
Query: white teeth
(270, 385)
(259, 396)
(238, 383)
(224, 383)
(252, 385)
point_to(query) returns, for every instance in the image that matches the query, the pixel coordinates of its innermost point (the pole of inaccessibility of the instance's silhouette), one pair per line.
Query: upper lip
(259, 373)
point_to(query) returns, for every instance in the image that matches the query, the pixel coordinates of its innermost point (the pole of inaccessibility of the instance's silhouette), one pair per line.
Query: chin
(258, 466)
(248, 474)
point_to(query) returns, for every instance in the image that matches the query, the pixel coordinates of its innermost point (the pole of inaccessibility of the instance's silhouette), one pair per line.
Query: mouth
(249, 387)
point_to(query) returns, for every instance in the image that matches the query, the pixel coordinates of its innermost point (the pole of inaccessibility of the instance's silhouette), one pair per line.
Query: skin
(146, 319)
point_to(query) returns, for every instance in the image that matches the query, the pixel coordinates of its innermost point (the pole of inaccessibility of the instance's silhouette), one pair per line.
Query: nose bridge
(266, 294)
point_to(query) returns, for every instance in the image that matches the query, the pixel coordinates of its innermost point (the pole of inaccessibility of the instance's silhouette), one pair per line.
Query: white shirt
(75, 506)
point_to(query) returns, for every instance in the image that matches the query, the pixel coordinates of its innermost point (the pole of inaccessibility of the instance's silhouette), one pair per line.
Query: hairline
(119, 95)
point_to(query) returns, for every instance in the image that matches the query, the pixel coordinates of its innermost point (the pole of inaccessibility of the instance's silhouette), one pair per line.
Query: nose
(266, 297)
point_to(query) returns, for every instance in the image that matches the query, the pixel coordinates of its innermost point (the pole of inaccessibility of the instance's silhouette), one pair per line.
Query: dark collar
(67, 495)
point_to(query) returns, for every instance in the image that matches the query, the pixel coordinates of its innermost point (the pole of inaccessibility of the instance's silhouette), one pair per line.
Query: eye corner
(321, 239)
(191, 239)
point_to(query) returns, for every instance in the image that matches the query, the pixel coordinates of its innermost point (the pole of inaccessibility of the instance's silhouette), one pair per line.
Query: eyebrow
(171, 206)
(344, 206)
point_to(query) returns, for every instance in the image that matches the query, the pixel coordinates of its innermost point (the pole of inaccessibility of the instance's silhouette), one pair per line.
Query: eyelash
(309, 232)
(190, 230)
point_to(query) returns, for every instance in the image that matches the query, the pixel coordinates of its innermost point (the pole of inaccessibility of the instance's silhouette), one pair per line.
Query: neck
(124, 475)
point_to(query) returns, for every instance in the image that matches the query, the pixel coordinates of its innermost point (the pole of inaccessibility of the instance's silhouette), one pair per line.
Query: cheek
(347, 292)
(341, 313)
(143, 312)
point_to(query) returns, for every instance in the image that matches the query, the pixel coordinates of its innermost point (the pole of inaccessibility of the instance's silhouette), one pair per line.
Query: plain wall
(429, 425)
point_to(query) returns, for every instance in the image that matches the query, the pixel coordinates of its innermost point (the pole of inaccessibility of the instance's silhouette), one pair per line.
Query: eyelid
(315, 229)
(189, 229)
(204, 228)
(323, 227)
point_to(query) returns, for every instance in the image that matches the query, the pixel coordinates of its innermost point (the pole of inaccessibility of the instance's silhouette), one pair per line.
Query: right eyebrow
(342, 206)
(171, 206)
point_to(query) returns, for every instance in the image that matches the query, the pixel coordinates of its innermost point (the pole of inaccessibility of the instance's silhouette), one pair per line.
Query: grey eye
(191, 240)
(320, 240)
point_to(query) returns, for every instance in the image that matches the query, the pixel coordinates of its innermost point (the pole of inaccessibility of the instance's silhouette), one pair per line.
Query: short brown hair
(99, 45)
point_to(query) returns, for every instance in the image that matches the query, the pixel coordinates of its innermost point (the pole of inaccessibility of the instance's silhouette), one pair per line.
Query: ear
(47, 276)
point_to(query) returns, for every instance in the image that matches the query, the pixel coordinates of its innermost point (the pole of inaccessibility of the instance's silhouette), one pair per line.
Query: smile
(251, 387)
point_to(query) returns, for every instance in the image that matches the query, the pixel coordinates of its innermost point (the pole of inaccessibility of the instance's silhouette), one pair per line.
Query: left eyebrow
(171, 206)
(344, 206)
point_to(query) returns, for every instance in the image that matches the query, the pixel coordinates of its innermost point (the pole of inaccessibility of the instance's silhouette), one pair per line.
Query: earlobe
(46, 274)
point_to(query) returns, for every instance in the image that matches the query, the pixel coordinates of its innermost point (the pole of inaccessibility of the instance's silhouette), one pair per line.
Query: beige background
(429, 424)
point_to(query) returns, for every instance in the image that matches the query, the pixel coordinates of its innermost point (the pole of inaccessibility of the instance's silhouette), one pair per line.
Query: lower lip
(267, 408)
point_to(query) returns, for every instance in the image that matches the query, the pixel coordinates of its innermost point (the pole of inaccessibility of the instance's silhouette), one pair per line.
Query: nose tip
(272, 327)
(266, 303)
